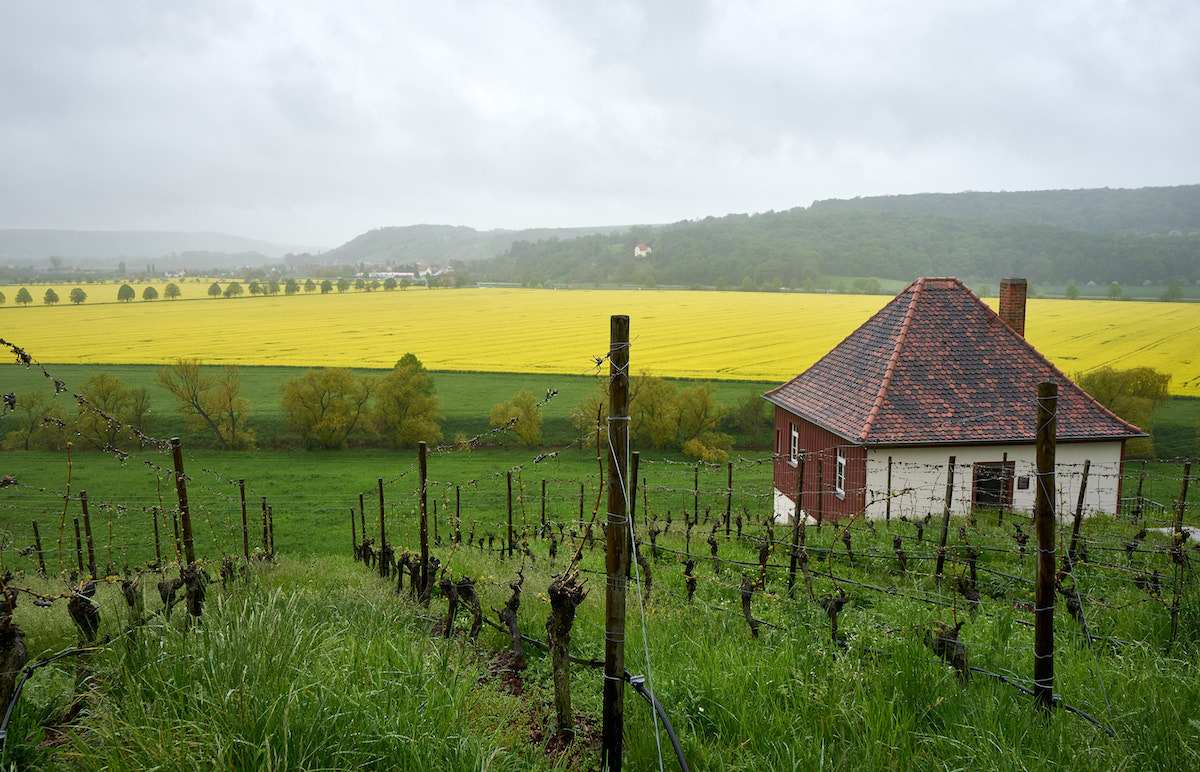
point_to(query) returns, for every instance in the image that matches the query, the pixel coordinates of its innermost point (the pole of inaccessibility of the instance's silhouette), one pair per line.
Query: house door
(993, 484)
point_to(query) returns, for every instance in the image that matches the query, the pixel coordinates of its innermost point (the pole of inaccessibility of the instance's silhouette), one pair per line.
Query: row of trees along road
(127, 294)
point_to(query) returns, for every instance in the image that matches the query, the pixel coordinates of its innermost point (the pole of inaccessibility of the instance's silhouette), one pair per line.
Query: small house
(937, 374)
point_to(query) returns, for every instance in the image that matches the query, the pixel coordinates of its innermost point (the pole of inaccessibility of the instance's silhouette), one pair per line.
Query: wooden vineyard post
(728, 500)
(353, 535)
(797, 522)
(383, 567)
(423, 476)
(820, 491)
(37, 545)
(1003, 488)
(245, 526)
(543, 504)
(266, 539)
(696, 493)
(185, 515)
(1182, 505)
(362, 518)
(941, 558)
(887, 506)
(633, 484)
(87, 533)
(510, 514)
(1070, 557)
(78, 546)
(157, 542)
(617, 538)
(271, 528)
(1043, 622)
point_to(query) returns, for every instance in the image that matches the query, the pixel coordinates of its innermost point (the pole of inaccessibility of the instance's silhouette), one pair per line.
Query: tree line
(797, 249)
(334, 408)
(126, 293)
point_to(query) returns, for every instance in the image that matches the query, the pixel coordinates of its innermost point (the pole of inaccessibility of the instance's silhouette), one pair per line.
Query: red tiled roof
(937, 365)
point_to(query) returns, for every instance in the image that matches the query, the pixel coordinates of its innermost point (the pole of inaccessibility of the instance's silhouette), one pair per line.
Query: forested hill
(797, 248)
(1105, 210)
(441, 244)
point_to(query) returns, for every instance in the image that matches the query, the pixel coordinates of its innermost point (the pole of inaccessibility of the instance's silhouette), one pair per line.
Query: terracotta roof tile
(937, 365)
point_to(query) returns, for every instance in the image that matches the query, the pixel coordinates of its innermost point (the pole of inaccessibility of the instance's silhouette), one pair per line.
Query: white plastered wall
(919, 478)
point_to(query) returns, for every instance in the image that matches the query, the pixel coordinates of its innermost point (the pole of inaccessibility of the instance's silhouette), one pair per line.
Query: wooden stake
(797, 523)
(888, 499)
(941, 559)
(1043, 622)
(1070, 556)
(728, 500)
(617, 556)
(383, 567)
(185, 515)
(245, 527)
(1182, 504)
(87, 532)
(510, 514)
(423, 477)
(1003, 488)
(37, 544)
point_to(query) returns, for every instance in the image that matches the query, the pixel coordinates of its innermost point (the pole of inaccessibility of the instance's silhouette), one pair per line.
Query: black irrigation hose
(25, 675)
(639, 685)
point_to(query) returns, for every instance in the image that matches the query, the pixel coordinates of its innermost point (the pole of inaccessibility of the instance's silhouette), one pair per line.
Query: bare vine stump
(1021, 538)
(508, 615)
(973, 554)
(943, 640)
(967, 589)
(764, 553)
(689, 578)
(747, 594)
(846, 541)
(403, 565)
(132, 590)
(654, 541)
(166, 590)
(13, 655)
(449, 588)
(833, 604)
(465, 590)
(85, 613)
(712, 547)
(193, 582)
(553, 547)
(430, 579)
(414, 577)
(901, 556)
(647, 577)
(566, 593)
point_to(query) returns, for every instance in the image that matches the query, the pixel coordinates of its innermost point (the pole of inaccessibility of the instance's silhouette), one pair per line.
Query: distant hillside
(974, 236)
(441, 244)
(1104, 210)
(167, 249)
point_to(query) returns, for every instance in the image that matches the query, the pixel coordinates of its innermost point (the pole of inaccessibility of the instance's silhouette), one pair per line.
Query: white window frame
(794, 447)
(840, 475)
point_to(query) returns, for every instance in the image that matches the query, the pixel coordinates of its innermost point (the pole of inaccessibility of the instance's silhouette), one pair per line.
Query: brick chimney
(1012, 304)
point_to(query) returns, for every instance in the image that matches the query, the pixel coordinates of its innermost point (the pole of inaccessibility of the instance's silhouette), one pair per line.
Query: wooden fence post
(87, 532)
(1003, 488)
(728, 500)
(617, 537)
(1182, 504)
(423, 476)
(245, 526)
(185, 515)
(266, 534)
(37, 545)
(362, 519)
(941, 559)
(820, 490)
(353, 535)
(797, 522)
(383, 567)
(510, 514)
(1070, 556)
(1043, 623)
(888, 500)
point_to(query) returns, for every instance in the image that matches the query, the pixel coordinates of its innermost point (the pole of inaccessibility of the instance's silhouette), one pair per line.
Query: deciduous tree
(33, 431)
(150, 293)
(214, 290)
(23, 297)
(110, 412)
(77, 296)
(326, 406)
(1132, 394)
(171, 291)
(210, 401)
(407, 410)
(51, 297)
(522, 414)
(126, 294)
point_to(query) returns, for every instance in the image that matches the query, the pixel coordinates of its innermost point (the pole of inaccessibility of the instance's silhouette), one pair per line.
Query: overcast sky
(311, 122)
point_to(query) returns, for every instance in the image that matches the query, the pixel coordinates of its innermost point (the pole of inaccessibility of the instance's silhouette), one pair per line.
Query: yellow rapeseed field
(703, 335)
